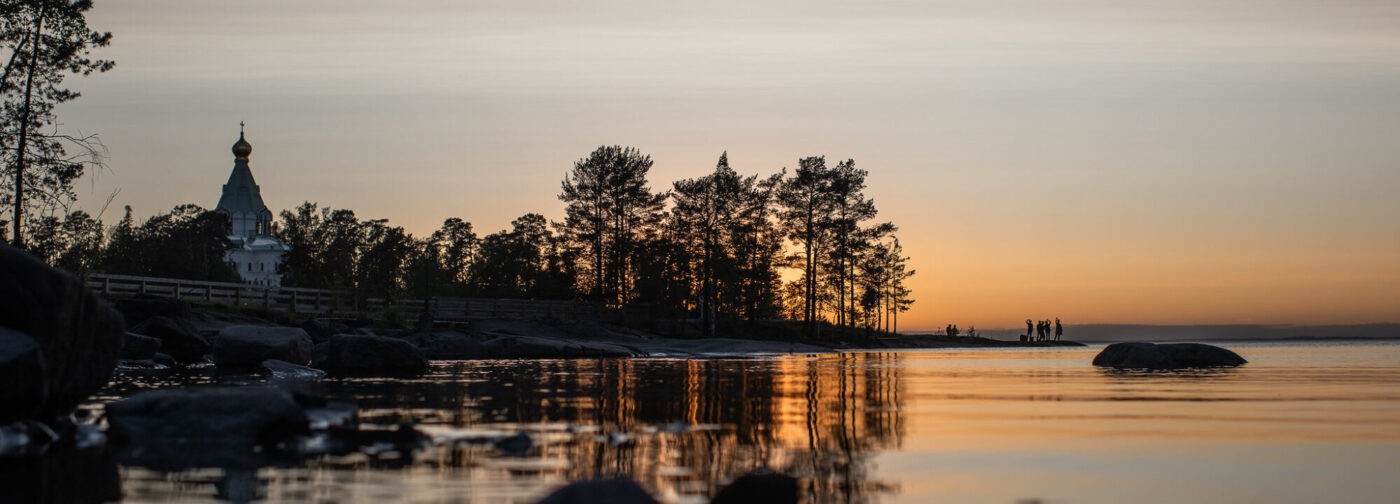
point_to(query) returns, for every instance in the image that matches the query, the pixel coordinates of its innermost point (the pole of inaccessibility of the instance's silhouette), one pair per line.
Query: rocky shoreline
(60, 343)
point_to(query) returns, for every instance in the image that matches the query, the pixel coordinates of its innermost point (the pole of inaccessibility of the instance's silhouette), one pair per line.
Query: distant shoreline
(1111, 333)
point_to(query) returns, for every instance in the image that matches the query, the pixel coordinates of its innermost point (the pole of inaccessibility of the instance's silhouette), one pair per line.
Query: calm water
(1300, 423)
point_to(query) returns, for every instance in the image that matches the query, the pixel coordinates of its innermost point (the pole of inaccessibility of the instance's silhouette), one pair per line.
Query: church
(253, 249)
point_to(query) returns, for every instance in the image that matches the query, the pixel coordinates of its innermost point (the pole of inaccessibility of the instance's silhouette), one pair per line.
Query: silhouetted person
(1029, 331)
(1059, 329)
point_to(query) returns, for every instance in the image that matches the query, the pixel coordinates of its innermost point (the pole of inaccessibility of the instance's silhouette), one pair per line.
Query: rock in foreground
(364, 355)
(78, 335)
(231, 416)
(22, 373)
(1166, 356)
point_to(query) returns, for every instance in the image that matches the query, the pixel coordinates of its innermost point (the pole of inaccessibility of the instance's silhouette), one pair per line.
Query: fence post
(293, 308)
(106, 286)
(177, 289)
(238, 296)
(142, 289)
(209, 292)
(267, 298)
(318, 302)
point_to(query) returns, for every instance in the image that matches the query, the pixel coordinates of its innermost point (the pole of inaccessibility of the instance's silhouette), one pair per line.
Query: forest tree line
(801, 245)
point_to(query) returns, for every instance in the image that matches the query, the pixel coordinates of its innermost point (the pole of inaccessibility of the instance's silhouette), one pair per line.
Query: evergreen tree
(609, 208)
(47, 41)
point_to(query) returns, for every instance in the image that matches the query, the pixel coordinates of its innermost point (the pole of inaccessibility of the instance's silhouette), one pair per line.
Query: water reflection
(681, 428)
(818, 418)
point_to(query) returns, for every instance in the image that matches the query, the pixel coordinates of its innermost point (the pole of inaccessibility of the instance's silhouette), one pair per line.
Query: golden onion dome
(241, 148)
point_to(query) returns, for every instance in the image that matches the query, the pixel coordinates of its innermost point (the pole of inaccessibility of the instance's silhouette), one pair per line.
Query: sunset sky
(1103, 161)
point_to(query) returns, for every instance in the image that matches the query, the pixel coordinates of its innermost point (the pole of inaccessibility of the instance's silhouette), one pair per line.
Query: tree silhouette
(47, 40)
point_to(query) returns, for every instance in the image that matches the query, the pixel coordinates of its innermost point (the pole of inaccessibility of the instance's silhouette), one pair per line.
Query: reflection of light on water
(1299, 423)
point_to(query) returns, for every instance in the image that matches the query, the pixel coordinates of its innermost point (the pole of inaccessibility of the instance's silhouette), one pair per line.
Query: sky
(1101, 161)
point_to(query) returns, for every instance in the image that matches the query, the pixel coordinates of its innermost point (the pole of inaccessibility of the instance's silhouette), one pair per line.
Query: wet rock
(139, 347)
(78, 335)
(767, 488)
(516, 446)
(214, 416)
(356, 354)
(1153, 356)
(612, 491)
(65, 473)
(246, 347)
(178, 338)
(283, 370)
(165, 360)
(22, 373)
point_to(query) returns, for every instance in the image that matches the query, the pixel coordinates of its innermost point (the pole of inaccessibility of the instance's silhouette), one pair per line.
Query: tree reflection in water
(679, 427)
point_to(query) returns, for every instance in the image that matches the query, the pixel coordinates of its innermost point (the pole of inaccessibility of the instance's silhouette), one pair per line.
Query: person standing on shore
(1059, 329)
(1029, 331)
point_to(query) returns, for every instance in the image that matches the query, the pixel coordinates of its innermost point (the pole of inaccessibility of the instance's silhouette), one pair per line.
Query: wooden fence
(336, 303)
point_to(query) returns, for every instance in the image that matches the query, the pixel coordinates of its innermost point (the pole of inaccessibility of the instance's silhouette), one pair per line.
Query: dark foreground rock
(246, 347)
(22, 374)
(139, 347)
(767, 488)
(613, 491)
(1166, 356)
(178, 338)
(364, 355)
(228, 416)
(65, 473)
(78, 335)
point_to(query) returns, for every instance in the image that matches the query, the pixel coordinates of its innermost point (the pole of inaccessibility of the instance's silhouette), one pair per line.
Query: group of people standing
(1040, 331)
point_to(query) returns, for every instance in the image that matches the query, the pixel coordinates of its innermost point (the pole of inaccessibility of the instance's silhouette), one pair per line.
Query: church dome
(241, 148)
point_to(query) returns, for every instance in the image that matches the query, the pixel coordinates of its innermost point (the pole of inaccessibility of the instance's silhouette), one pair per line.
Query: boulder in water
(617, 491)
(358, 354)
(246, 347)
(214, 416)
(768, 488)
(22, 373)
(178, 338)
(1165, 356)
(140, 347)
(78, 335)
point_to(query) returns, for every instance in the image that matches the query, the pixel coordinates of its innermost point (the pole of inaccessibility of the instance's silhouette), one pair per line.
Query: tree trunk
(22, 147)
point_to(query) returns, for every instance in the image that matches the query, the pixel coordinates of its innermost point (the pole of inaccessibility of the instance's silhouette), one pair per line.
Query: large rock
(357, 354)
(140, 347)
(228, 416)
(79, 335)
(614, 491)
(22, 373)
(1166, 356)
(246, 347)
(178, 338)
(768, 488)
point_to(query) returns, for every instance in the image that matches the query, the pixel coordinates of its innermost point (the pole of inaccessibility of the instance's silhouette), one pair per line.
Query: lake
(1302, 422)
